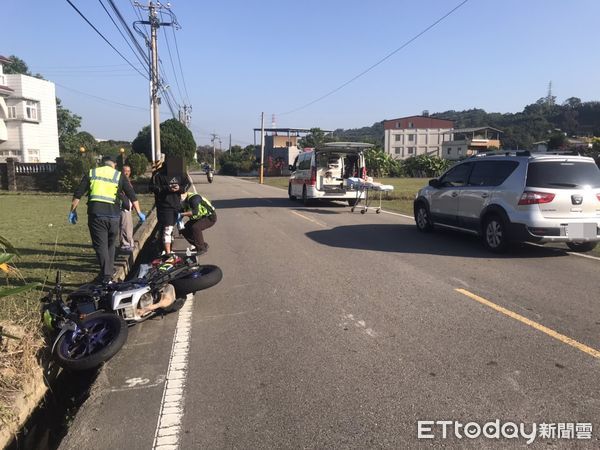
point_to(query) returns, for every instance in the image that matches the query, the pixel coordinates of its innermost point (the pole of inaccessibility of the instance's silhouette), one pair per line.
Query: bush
(70, 170)
(138, 163)
(425, 166)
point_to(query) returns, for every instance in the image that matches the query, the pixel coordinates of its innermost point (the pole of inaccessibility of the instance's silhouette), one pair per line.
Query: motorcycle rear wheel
(106, 335)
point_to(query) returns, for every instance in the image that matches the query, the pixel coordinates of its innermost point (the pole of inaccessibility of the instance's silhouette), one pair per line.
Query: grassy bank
(36, 224)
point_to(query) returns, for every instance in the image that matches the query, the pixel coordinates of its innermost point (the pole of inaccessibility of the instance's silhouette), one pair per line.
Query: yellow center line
(309, 219)
(561, 337)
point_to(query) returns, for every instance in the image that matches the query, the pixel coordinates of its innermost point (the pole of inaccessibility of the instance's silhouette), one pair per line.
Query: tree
(16, 66)
(315, 138)
(557, 141)
(68, 124)
(175, 139)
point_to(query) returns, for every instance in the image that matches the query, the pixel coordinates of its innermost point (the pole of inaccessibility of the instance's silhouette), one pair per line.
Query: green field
(36, 224)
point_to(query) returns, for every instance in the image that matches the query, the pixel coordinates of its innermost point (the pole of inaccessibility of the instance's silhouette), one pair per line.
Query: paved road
(333, 329)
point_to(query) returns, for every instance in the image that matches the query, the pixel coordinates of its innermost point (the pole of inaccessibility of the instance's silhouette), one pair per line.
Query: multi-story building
(415, 135)
(28, 124)
(465, 142)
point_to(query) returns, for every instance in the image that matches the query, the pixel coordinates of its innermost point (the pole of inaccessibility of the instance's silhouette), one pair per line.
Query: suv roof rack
(503, 153)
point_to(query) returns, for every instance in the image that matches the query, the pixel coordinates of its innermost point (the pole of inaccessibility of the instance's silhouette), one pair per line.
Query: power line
(100, 98)
(140, 49)
(122, 35)
(106, 40)
(187, 96)
(378, 62)
(171, 59)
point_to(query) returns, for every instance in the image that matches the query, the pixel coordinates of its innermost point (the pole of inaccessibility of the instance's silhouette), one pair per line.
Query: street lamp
(121, 157)
(82, 150)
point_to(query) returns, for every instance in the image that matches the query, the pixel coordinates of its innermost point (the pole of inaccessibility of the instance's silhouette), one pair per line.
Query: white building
(28, 124)
(415, 135)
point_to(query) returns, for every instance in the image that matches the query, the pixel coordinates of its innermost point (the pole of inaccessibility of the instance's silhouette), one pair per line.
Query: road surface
(334, 329)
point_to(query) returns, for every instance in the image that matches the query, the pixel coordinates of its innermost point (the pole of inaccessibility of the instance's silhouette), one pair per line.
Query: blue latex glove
(73, 217)
(179, 217)
(142, 217)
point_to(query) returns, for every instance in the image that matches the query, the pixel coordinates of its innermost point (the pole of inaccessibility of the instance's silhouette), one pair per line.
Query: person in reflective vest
(201, 214)
(102, 186)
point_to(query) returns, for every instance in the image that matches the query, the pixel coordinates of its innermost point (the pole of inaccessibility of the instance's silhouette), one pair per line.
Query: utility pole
(155, 100)
(214, 137)
(154, 23)
(229, 142)
(185, 116)
(262, 148)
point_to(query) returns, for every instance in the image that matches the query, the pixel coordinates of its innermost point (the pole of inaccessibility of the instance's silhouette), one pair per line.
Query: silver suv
(516, 198)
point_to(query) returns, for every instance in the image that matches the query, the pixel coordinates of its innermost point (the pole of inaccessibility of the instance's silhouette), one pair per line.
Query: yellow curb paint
(309, 219)
(560, 337)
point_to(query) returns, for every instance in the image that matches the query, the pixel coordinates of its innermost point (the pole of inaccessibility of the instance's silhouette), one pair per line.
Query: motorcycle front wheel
(206, 276)
(100, 337)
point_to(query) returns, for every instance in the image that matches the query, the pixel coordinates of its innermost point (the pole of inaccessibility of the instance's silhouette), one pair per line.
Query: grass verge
(36, 224)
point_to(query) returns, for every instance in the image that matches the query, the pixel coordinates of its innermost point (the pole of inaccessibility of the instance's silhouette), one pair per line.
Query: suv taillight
(534, 198)
(598, 197)
(313, 176)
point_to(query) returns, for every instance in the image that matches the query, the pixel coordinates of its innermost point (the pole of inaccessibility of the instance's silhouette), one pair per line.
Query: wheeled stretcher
(368, 188)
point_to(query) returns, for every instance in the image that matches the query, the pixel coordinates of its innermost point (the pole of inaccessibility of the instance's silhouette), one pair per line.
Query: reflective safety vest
(205, 208)
(104, 183)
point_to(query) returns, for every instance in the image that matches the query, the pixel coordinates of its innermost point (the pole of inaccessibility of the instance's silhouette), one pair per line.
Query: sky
(233, 59)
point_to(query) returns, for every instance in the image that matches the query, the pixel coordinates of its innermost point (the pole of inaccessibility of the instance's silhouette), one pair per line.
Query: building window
(411, 150)
(398, 125)
(411, 138)
(449, 150)
(12, 112)
(411, 125)
(398, 137)
(460, 150)
(31, 110)
(33, 155)
(397, 150)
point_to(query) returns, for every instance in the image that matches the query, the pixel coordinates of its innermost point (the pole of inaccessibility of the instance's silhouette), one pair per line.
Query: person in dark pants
(202, 215)
(167, 197)
(102, 186)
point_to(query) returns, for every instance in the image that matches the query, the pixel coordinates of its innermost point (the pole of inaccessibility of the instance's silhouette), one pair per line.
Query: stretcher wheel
(362, 211)
(352, 209)
(378, 210)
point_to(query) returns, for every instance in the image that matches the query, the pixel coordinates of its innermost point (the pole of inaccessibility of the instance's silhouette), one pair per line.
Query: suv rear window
(563, 174)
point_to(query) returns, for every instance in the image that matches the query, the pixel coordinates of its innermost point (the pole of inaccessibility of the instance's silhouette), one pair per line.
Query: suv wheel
(292, 197)
(495, 236)
(422, 218)
(581, 246)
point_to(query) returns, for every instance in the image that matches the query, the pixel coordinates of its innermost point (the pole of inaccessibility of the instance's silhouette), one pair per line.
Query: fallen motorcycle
(91, 325)
(85, 337)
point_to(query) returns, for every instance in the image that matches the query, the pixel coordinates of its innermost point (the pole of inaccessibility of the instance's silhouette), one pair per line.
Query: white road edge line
(168, 428)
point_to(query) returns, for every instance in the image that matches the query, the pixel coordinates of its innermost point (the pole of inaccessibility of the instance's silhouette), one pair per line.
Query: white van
(327, 172)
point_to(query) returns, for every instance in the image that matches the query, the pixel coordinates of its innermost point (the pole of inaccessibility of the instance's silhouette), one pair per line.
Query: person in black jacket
(167, 197)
